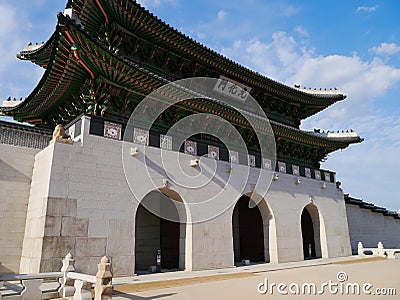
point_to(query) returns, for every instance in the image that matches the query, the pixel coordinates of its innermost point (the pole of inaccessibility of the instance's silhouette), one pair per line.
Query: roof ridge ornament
(320, 91)
(70, 13)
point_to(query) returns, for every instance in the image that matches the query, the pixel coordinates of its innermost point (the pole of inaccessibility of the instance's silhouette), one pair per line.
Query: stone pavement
(242, 282)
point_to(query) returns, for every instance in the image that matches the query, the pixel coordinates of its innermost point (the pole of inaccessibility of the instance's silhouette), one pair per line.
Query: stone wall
(16, 165)
(371, 227)
(89, 176)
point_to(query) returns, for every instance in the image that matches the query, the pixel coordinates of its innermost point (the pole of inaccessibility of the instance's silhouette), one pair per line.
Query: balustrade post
(67, 285)
(381, 249)
(103, 288)
(31, 289)
(80, 292)
(360, 249)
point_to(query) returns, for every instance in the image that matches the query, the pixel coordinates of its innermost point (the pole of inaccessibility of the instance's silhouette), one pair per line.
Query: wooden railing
(66, 284)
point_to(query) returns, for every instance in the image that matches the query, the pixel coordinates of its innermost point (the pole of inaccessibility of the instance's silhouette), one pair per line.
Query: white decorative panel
(141, 136)
(296, 170)
(165, 142)
(251, 160)
(191, 147)
(267, 164)
(317, 174)
(112, 130)
(234, 157)
(213, 152)
(308, 172)
(327, 176)
(282, 166)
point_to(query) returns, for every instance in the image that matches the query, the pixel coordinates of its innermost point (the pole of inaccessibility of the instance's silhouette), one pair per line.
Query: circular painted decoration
(112, 131)
(141, 139)
(190, 149)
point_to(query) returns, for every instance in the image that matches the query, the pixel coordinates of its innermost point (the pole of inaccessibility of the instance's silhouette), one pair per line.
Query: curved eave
(41, 55)
(304, 137)
(138, 20)
(121, 73)
(62, 78)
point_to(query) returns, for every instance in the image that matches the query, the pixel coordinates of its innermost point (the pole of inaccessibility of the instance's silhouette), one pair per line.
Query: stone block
(61, 207)
(52, 226)
(87, 265)
(77, 227)
(120, 229)
(50, 265)
(123, 265)
(89, 247)
(98, 228)
(57, 247)
(120, 247)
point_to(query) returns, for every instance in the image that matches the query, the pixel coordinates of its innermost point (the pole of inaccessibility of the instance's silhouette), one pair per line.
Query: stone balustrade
(66, 284)
(379, 251)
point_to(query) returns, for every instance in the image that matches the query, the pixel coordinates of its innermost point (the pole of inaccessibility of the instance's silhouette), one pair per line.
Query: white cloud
(221, 15)
(366, 82)
(289, 10)
(386, 48)
(155, 3)
(279, 59)
(9, 27)
(366, 8)
(301, 31)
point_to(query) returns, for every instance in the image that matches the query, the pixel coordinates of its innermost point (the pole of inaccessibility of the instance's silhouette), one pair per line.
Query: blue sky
(351, 45)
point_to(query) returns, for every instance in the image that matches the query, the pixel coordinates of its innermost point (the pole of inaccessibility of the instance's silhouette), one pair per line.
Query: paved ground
(337, 279)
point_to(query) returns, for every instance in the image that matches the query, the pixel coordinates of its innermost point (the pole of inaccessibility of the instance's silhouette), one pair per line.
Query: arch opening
(153, 233)
(310, 231)
(252, 231)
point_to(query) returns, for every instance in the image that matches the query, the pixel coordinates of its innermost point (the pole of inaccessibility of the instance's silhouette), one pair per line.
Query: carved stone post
(103, 288)
(82, 290)
(381, 250)
(67, 285)
(360, 249)
(31, 289)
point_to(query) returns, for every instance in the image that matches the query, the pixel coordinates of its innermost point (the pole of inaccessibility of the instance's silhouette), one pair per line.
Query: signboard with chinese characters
(231, 88)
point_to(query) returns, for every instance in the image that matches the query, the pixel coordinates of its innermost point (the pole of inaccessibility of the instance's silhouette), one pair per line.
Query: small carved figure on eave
(59, 135)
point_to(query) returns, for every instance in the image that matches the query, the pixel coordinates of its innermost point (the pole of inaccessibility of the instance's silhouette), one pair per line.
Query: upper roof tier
(86, 74)
(139, 35)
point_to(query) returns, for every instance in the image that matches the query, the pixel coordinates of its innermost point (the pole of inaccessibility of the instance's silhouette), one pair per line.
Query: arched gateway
(310, 231)
(253, 230)
(153, 233)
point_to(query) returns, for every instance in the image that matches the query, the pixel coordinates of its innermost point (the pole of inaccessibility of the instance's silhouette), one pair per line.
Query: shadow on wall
(9, 173)
(5, 270)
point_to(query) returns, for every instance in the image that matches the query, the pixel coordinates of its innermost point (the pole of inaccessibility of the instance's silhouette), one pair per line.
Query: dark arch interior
(248, 233)
(153, 233)
(307, 232)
